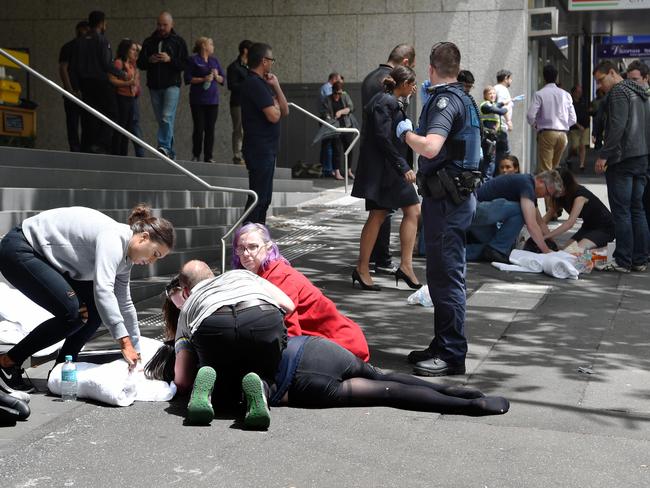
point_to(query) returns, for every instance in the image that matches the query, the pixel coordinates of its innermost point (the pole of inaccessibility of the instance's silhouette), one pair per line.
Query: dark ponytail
(160, 230)
(398, 76)
(389, 84)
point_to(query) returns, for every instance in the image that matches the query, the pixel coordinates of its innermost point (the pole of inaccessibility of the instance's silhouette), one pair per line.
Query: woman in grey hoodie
(67, 257)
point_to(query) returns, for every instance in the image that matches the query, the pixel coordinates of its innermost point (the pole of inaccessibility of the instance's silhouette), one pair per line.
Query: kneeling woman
(315, 314)
(597, 221)
(317, 373)
(66, 257)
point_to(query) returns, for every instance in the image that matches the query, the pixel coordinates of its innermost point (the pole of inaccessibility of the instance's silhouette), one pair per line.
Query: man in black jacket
(90, 63)
(163, 56)
(236, 75)
(73, 112)
(372, 84)
(624, 159)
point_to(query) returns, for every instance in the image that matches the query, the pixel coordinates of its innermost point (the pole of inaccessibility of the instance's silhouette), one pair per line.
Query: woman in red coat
(315, 314)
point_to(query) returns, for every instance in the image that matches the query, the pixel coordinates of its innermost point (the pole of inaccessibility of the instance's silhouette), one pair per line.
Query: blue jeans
(137, 130)
(445, 225)
(164, 103)
(626, 182)
(326, 154)
(496, 224)
(59, 294)
(260, 180)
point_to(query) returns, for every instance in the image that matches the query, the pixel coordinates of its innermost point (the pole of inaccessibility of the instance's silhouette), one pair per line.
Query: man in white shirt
(551, 113)
(504, 80)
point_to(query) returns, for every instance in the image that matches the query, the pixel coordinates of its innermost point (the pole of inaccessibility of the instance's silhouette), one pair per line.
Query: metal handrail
(337, 129)
(149, 148)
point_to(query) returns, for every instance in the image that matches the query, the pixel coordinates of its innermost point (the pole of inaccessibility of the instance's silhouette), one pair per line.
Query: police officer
(448, 142)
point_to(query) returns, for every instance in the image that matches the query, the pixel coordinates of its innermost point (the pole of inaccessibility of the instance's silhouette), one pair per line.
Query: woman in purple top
(203, 72)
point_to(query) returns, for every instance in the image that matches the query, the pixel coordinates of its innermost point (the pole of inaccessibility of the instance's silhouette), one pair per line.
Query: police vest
(462, 149)
(489, 120)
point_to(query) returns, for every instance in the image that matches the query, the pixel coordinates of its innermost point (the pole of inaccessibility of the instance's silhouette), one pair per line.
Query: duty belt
(441, 185)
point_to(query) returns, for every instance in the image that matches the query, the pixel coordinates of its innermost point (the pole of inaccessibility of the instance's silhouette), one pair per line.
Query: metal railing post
(336, 129)
(149, 148)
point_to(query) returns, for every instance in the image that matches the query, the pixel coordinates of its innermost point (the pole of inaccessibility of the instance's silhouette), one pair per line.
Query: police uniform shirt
(445, 114)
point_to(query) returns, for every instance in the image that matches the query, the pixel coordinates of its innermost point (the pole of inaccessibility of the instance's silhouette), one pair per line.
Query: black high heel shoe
(401, 275)
(364, 286)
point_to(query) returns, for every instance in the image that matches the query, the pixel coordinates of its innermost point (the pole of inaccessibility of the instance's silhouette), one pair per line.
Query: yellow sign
(19, 55)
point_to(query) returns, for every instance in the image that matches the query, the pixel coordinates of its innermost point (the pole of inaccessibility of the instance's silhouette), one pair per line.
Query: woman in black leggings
(317, 373)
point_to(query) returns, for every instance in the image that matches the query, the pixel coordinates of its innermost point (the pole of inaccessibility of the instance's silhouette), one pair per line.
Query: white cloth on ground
(19, 316)
(558, 264)
(113, 384)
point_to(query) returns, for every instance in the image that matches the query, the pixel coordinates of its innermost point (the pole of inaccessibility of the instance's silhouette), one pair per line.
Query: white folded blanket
(113, 384)
(558, 264)
(529, 260)
(560, 267)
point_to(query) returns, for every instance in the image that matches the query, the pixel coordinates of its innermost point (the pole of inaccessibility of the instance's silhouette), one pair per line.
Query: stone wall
(310, 38)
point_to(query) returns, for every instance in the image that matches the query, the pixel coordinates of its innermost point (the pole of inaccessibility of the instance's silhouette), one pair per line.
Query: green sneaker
(257, 416)
(199, 410)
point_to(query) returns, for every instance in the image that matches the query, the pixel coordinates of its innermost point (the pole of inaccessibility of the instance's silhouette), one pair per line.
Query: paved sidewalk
(528, 342)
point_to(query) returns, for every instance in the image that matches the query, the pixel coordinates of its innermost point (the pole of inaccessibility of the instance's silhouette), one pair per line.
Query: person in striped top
(231, 327)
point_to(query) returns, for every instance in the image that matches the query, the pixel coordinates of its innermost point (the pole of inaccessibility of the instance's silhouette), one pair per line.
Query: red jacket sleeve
(284, 282)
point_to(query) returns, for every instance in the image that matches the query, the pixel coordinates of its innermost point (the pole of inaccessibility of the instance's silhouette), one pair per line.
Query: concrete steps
(35, 180)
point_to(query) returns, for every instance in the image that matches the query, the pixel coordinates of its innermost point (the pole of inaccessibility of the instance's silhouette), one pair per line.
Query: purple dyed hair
(272, 255)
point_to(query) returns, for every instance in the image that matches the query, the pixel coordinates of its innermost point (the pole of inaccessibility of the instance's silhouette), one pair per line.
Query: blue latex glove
(404, 126)
(424, 92)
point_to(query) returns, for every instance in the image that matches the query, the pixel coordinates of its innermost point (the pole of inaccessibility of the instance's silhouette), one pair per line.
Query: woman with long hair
(65, 257)
(315, 314)
(597, 221)
(337, 109)
(203, 73)
(385, 178)
(127, 90)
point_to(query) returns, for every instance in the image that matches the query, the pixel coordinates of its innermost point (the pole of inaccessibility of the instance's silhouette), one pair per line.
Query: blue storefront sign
(637, 50)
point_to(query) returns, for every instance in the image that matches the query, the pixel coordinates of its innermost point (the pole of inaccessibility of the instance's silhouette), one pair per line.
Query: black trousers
(125, 108)
(96, 136)
(260, 180)
(60, 295)
(236, 343)
(339, 145)
(73, 124)
(204, 118)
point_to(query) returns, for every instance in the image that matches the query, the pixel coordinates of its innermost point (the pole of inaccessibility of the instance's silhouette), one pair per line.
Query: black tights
(329, 376)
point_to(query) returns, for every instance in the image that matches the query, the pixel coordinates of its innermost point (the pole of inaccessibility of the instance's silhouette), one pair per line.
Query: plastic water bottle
(207, 84)
(68, 380)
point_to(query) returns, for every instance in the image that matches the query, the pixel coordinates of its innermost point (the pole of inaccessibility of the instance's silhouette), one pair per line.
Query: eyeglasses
(269, 59)
(338, 92)
(600, 79)
(173, 286)
(252, 249)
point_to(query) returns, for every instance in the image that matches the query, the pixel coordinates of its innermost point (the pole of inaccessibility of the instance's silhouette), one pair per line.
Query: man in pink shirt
(551, 113)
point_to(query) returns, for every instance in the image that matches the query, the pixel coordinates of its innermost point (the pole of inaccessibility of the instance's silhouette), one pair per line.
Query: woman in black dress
(385, 178)
(597, 222)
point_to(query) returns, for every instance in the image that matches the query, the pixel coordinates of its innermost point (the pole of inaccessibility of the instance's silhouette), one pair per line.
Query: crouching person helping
(234, 326)
(66, 257)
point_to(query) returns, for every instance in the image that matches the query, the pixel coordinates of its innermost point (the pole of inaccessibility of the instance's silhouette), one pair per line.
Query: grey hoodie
(627, 130)
(90, 246)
